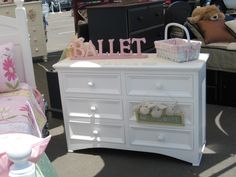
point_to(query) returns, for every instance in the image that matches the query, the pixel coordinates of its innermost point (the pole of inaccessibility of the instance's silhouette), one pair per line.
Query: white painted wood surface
(98, 99)
(16, 30)
(35, 25)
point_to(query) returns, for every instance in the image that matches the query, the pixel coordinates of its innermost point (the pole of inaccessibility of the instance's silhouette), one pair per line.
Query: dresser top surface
(152, 61)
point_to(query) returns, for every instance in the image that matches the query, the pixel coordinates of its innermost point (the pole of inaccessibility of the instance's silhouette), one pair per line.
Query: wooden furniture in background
(83, 4)
(98, 99)
(109, 20)
(221, 88)
(118, 21)
(35, 25)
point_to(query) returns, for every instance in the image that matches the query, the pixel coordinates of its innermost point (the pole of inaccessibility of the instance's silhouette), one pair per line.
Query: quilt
(20, 112)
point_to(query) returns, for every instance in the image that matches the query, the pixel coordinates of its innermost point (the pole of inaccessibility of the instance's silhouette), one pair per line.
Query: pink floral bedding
(20, 112)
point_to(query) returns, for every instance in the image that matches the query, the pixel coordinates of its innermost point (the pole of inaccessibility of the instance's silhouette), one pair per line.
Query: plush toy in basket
(176, 49)
(167, 114)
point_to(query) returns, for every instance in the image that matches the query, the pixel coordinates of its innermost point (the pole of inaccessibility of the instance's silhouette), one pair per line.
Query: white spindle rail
(19, 154)
(21, 20)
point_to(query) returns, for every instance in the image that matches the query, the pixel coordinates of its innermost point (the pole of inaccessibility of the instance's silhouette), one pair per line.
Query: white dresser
(98, 98)
(35, 25)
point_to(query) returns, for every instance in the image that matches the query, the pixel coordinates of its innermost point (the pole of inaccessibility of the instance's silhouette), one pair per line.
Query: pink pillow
(219, 34)
(38, 147)
(8, 77)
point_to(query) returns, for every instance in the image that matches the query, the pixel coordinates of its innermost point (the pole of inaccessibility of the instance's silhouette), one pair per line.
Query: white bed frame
(16, 30)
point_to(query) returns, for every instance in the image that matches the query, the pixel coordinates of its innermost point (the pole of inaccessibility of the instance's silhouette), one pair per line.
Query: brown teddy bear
(211, 12)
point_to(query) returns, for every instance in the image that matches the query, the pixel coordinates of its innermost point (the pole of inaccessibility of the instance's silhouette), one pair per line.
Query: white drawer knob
(90, 84)
(158, 86)
(93, 108)
(161, 137)
(95, 132)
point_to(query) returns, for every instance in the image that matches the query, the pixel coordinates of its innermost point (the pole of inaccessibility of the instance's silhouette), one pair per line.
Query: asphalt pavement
(60, 30)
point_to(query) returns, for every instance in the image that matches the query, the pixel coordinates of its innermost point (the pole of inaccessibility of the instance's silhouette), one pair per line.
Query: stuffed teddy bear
(170, 110)
(141, 109)
(144, 108)
(157, 110)
(211, 12)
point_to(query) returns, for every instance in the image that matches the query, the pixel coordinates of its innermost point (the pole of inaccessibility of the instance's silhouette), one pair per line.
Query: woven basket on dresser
(176, 49)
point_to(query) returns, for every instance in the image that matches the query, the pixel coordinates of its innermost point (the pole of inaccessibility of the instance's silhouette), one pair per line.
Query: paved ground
(60, 30)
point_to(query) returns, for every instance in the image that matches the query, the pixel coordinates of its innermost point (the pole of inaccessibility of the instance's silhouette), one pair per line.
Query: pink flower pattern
(9, 80)
(25, 108)
(9, 67)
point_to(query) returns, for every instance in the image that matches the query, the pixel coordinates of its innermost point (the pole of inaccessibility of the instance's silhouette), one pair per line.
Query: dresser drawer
(7, 11)
(37, 41)
(112, 133)
(163, 138)
(185, 108)
(92, 83)
(35, 25)
(37, 33)
(94, 108)
(144, 17)
(160, 85)
(151, 34)
(138, 18)
(34, 13)
(38, 49)
(156, 14)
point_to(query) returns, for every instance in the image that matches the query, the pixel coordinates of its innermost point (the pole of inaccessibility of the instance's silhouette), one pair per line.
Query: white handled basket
(176, 49)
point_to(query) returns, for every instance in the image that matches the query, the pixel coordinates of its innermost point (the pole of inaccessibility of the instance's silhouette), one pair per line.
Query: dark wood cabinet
(227, 89)
(78, 5)
(54, 94)
(221, 88)
(212, 85)
(118, 21)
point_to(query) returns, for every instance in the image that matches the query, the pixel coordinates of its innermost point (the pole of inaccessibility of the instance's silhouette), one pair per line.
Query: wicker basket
(176, 49)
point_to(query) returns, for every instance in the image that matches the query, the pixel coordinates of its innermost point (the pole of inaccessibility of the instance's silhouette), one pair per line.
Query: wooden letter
(123, 46)
(138, 44)
(111, 46)
(90, 49)
(100, 47)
